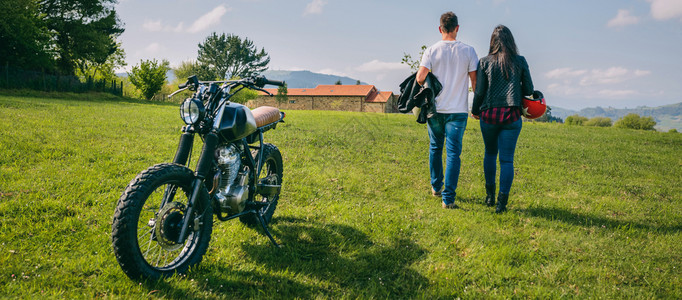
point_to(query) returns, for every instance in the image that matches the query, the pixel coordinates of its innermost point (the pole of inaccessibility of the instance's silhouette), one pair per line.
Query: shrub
(599, 122)
(575, 120)
(149, 76)
(634, 121)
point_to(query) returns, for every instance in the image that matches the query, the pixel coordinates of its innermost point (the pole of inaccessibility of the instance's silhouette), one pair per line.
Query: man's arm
(421, 75)
(473, 76)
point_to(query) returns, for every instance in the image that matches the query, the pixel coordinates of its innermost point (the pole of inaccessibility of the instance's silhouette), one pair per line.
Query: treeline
(219, 57)
(61, 37)
(630, 121)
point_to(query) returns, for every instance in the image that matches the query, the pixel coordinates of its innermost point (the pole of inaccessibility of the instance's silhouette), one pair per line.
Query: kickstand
(265, 228)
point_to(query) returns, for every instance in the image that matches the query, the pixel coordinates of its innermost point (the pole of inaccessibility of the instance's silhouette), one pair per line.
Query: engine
(231, 180)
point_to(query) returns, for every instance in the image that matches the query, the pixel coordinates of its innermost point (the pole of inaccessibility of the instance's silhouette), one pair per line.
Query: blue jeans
(502, 139)
(448, 127)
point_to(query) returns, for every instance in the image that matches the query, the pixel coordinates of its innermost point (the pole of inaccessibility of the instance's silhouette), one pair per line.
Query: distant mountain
(667, 116)
(307, 79)
(294, 79)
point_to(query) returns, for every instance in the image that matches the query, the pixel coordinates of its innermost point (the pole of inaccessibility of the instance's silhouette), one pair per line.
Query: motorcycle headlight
(192, 111)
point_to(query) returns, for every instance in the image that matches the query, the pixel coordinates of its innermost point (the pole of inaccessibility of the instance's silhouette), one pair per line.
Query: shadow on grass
(586, 220)
(315, 260)
(339, 259)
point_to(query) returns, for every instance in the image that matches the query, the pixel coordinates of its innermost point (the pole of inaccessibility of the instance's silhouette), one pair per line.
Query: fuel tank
(234, 121)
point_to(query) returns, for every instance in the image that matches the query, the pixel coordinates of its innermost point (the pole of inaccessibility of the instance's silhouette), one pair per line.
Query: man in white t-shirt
(454, 64)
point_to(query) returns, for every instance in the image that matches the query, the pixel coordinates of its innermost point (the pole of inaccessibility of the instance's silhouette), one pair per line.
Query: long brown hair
(503, 49)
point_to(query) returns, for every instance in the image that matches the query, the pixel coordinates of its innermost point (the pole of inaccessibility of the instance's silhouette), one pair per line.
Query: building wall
(375, 107)
(347, 103)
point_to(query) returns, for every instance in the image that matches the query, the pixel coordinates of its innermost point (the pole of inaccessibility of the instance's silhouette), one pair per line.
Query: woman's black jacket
(493, 89)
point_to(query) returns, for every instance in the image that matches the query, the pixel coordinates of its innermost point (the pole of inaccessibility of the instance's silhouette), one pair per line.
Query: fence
(17, 78)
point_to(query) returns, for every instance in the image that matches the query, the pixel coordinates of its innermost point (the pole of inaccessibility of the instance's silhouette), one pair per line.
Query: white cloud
(152, 50)
(152, 25)
(314, 7)
(380, 66)
(202, 23)
(611, 76)
(563, 73)
(639, 73)
(206, 21)
(666, 9)
(332, 72)
(565, 89)
(623, 18)
(610, 83)
(616, 93)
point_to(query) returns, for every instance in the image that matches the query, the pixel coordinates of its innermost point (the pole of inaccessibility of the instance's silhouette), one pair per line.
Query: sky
(608, 53)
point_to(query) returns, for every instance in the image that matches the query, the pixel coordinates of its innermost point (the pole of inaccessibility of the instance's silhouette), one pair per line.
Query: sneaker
(450, 206)
(437, 193)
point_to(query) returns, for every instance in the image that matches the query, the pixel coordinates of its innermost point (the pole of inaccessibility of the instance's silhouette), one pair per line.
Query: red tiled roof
(380, 97)
(330, 90)
(368, 91)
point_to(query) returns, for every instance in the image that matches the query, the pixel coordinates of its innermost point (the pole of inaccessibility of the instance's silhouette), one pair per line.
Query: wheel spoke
(149, 246)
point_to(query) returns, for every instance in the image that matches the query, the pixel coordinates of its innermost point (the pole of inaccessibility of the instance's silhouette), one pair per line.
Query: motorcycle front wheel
(148, 220)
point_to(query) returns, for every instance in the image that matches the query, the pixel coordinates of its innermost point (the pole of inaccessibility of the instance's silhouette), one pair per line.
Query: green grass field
(594, 212)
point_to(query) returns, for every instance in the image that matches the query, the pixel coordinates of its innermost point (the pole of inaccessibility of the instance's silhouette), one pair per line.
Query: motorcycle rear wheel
(148, 220)
(271, 173)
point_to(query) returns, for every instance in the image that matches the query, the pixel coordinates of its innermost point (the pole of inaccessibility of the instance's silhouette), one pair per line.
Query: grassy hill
(594, 212)
(666, 116)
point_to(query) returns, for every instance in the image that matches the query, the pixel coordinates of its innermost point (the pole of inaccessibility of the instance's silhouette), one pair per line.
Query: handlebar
(262, 81)
(254, 82)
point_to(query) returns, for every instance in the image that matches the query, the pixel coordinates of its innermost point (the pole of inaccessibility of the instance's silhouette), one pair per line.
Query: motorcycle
(163, 221)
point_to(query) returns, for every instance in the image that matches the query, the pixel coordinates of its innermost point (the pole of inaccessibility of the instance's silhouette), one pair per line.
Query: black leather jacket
(421, 96)
(494, 90)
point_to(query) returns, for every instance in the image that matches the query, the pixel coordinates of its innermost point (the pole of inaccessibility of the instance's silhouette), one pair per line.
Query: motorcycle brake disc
(169, 224)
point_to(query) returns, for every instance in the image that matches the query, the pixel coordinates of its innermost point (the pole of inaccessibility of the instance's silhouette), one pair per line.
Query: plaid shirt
(501, 115)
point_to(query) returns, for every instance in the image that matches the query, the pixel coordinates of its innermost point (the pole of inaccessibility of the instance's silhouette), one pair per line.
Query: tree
(412, 63)
(24, 38)
(358, 82)
(599, 122)
(282, 94)
(104, 71)
(149, 76)
(338, 82)
(192, 67)
(575, 120)
(244, 96)
(634, 121)
(84, 30)
(228, 56)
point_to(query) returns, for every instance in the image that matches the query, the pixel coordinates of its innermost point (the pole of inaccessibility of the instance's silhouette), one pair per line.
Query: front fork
(203, 167)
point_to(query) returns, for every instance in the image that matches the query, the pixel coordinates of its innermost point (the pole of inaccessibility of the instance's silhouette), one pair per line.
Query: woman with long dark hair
(503, 79)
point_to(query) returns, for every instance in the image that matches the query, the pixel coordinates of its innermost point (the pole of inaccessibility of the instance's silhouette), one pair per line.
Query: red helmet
(535, 106)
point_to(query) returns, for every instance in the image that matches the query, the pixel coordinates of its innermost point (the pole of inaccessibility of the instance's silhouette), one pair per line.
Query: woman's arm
(480, 89)
(526, 81)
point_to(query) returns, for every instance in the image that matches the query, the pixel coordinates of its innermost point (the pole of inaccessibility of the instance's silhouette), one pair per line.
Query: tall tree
(24, 39)
(282, 94)
(413, 63)
(228, 56)
(149, 76)
(85, 30)
(106, 70)
(190, 67)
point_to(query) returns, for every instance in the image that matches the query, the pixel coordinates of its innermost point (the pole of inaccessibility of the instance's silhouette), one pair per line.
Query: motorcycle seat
(266, 115)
